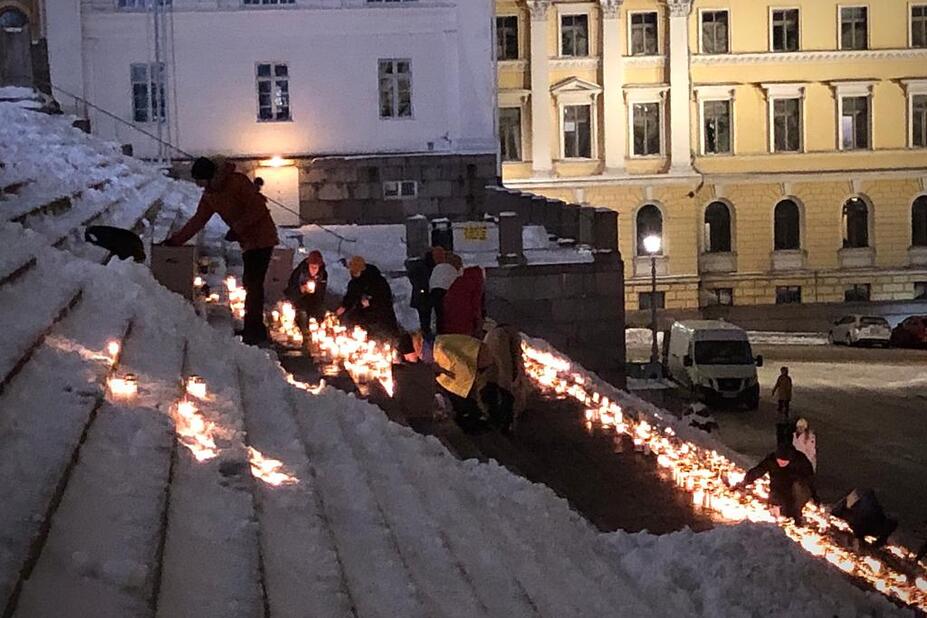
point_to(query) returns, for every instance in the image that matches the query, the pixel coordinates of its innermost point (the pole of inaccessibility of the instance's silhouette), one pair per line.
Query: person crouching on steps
(237, 201)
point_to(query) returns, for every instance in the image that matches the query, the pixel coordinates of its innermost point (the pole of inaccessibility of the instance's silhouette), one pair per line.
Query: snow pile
(745, 570)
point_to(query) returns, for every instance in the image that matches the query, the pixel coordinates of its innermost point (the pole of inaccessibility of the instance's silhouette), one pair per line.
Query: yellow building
(779, 148)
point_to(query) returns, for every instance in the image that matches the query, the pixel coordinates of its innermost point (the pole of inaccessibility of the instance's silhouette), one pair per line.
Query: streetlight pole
(654, 349)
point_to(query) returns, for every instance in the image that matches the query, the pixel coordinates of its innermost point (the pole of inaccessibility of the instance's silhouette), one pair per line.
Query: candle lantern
(196, 387)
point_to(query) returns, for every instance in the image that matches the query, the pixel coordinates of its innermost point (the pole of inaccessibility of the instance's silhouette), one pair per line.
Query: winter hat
(356, 265)
(801, 425)
(315, 257)
(784, 451)
(438, 254)
(203, 169)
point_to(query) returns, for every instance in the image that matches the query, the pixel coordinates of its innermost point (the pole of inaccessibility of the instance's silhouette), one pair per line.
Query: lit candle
(196, 387)
(124, 388)
(112, 348)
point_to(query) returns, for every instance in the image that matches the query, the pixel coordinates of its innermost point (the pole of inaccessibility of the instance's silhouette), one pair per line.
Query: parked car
(860, 329)
(714, 360)
(911, 332)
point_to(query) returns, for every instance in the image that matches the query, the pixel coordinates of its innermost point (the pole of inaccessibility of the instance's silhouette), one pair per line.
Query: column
(615, 129)
(541, 164)
(680, 87)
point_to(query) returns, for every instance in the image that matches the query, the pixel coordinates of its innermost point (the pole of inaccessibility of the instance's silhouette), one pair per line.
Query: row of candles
(709, 477)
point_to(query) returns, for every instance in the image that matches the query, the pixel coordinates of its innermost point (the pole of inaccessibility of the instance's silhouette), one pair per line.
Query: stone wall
(351, 190)
(578, 308)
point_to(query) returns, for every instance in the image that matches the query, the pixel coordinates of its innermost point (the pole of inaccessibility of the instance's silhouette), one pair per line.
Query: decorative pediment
(575, 88)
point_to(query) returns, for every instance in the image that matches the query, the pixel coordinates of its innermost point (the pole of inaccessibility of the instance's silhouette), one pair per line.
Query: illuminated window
(273, 90)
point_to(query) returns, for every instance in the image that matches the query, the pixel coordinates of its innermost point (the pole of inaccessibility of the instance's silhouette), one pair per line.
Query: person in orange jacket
(237, 201)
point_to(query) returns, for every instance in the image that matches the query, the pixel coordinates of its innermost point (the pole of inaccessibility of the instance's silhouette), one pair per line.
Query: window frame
(701, 26)
(593, 108)
(914, 204)
(518, 29)
(630, 34)
(799, 206)
(911, 7)
(851, 90)
(801, 125)
(521, 134)
(395, 116)
(400, 193)
(638, 240)
(840, 9)
(650, 295)
(841, 137)
(714, 94)
(845, 223)
(914, 88)
(272, 79)
(706, 238)
(661, 118)
(156, 111)
(855, 288)
(789, 293)
(589, 49)
(772, 36)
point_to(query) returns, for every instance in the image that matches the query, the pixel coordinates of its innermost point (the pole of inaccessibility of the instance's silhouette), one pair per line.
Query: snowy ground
(262, 497)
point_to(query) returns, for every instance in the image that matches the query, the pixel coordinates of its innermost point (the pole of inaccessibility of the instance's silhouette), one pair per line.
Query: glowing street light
(652, 245)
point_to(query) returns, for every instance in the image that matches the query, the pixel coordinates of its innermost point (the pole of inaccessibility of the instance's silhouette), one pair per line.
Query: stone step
(35, 294)
(44, 416)
(304, 574)
(212, 563)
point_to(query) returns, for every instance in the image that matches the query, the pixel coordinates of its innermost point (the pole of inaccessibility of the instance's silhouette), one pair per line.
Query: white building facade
(255, 79)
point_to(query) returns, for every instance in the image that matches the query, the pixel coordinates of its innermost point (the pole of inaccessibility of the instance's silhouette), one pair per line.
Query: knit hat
(356, 265)
(315, 257)
(203, 169)
(438, 254)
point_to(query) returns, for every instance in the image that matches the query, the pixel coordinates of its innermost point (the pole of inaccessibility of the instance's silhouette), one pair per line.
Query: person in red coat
(463, 305)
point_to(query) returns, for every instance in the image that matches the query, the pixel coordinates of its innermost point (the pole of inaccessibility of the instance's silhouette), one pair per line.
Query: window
(716, 125)
(510, 133)
(715, 32)
(919, 222)
(395, 88)
(787, 226)
(646, 118)
(644, 34)
(788, 295)
(721, 296)
(646, 300)
(920, 290)
(717, 228)
(574, 36)
(577, 132)
(139, 4)
(649, 223)
(854, 27)
(507, 37)
(787, 127)
(269, 2)
(400, 189)
(856, 293)
(854, 123)
(273, 87)
(919, 121)
(785, 30)
(919, 25)
(148, 99)
(855, 224)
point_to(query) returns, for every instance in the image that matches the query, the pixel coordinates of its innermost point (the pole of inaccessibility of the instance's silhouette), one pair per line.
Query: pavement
(868, 408)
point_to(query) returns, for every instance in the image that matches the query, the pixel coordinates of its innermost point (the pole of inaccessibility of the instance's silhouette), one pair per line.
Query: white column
(680, 87)
(541, 164)
(615, 127)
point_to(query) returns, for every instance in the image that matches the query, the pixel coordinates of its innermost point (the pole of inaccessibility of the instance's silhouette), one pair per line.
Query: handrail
(109, 114)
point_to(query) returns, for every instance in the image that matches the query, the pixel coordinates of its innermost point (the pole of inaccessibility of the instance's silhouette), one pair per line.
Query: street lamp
(652, 245)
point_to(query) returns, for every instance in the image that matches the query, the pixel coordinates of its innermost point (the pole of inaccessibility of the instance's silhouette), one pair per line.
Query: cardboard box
(278, 274)
(175, 268)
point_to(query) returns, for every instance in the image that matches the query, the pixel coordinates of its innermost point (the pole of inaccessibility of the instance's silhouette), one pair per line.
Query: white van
(713, 358)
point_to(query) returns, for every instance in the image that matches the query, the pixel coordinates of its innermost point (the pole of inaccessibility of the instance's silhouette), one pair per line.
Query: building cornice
(586, 62)
(512, 65)
(809, 56)
(644, 61)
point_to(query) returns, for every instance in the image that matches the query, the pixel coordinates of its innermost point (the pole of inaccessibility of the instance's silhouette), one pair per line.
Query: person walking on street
(306, 288)
(443, 275)
(368, 301)
(805, 442)
(791, 480)
(783, 389)
(419, 271)
(237, 201)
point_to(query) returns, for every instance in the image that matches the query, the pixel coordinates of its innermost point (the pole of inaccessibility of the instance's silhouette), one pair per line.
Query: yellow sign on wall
(475, 232)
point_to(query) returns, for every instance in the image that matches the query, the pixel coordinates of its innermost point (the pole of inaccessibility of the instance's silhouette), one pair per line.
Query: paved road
(869, 408)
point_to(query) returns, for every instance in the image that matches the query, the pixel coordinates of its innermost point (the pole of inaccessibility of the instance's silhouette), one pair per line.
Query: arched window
(717, 228)
(855, 224)
(649, 222)
(13, 18)
(787, 226)
(919, 222)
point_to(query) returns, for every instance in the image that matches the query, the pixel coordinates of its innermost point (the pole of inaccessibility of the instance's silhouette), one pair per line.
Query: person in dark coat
(419, 271)
(368, 301)
(791, 480)
(237, 201)
(463, 305)
(306, 288)
(861, 509)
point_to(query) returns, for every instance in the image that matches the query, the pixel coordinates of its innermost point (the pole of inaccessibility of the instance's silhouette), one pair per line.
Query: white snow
(371, 518)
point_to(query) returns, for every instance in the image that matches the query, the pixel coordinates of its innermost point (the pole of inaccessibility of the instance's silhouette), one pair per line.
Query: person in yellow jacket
(464, 364)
